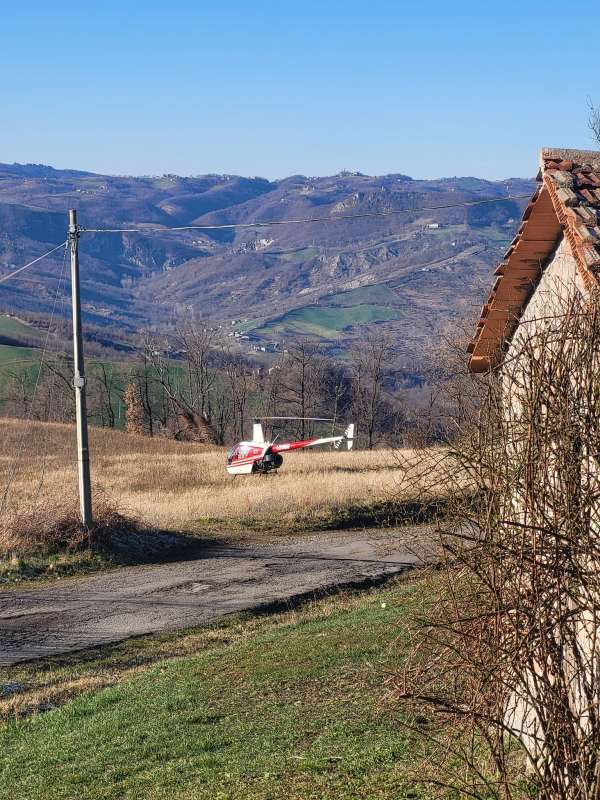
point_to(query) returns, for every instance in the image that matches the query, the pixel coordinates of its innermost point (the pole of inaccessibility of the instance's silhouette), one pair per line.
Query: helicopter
(259, 456)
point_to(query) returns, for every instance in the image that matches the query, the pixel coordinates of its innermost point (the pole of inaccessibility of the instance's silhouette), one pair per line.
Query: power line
(140, 351)
(28, 419)
(31, 263)
(235, 225)
(47, 362)
(307, 220)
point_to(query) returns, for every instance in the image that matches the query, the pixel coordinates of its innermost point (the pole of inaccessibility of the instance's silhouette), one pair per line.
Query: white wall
(558, 281)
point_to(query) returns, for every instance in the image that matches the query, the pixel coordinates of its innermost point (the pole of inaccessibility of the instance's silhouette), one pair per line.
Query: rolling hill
(411, 273)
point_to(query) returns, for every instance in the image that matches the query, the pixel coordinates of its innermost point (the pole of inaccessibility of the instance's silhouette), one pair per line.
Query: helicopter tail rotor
(349, 435)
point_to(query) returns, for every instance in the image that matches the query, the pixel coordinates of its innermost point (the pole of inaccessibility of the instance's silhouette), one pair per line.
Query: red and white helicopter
(261, 456)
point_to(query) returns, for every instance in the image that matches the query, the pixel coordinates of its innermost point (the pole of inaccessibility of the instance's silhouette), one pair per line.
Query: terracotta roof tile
(587, 195)
(586, 214)
(589, 235)
(567, 203)
(567, 196)
(562, 178)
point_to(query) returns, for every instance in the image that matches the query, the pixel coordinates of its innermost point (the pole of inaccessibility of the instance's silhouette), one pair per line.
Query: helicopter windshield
(243, 450)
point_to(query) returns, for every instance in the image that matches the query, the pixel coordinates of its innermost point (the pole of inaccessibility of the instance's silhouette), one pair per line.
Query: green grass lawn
(291, 705)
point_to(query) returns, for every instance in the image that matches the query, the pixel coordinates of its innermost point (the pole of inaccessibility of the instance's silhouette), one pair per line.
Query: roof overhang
(565, 203)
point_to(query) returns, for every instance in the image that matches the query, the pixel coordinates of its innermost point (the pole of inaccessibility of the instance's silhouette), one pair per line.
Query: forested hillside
(410, 274)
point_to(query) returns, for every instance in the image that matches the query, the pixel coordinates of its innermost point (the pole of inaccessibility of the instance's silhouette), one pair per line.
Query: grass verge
(350, 516)
(289, 705)
(135, 546)
(17, 569)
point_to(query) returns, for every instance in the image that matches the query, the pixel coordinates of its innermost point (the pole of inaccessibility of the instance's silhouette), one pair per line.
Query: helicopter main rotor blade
(311, 419)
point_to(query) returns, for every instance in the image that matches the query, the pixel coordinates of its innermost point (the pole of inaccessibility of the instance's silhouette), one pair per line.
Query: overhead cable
(305, 221)
(28, 418)
(31, 263)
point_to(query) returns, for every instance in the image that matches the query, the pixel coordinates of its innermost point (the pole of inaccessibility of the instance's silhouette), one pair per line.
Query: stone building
(554, 257)
(557, 247)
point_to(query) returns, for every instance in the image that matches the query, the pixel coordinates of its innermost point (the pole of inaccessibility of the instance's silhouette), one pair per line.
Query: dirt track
(210, 583)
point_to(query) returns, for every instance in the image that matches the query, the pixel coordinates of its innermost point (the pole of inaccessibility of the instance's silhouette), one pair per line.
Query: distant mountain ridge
(411, 273)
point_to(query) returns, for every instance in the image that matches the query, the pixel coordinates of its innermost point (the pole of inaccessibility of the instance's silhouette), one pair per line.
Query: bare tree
(336, 389)
(512, 648)
(54, 401)
(107, 386)
(594, 120)
(300, 381)
(222, 411)
(135, 410)
(369, 364)
(198, 343)
(42, 391)
(270, 390)
(239, 381)
(189, 389)
(18, 392)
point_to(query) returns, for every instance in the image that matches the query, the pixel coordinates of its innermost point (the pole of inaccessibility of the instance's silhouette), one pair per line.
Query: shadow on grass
(147, 649)
(387, 513)
(125, 546)
(358, 516)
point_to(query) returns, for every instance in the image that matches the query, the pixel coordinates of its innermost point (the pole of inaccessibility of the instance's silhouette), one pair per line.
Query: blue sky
(275, 88)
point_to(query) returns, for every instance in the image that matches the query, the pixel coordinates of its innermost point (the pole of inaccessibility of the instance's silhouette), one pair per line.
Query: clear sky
(429, 89)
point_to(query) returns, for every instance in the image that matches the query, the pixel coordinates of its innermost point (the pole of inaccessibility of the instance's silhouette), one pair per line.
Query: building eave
(566, 202)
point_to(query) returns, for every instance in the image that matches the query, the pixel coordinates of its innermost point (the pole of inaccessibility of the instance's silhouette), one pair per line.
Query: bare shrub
(510, 650)
(57, 526)
(135, 410)
(594, 120)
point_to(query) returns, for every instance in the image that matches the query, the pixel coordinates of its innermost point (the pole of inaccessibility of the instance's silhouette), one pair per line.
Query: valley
(419, 270)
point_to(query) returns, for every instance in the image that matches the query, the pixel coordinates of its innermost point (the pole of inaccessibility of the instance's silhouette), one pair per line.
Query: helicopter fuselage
(249, 457)
(260, 456)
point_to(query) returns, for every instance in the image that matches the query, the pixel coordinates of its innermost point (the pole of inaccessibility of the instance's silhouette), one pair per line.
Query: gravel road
(210, 583)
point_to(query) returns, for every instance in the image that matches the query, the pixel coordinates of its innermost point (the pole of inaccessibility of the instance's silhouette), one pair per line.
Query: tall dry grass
(170, 485)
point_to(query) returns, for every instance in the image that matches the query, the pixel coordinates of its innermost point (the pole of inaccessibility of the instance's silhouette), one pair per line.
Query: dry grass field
(175, 486)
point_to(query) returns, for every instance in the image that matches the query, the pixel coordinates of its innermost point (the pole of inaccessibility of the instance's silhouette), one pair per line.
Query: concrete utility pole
(83, 453)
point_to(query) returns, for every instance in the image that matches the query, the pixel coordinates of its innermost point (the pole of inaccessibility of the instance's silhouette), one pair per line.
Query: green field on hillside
(11, 355)
(243, 327)
(16, 329)
(302, 254)
(328, 322)
(375, 293)
(291, 706)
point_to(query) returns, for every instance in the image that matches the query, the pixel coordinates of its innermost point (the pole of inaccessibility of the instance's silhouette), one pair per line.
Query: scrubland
(172, 485)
